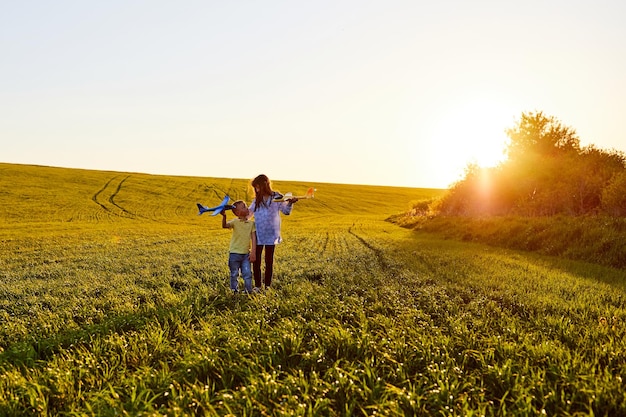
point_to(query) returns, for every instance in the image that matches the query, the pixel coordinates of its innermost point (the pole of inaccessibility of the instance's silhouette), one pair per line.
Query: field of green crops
(114, 301)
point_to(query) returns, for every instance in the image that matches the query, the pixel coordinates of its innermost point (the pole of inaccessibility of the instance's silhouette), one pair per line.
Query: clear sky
(383, 92)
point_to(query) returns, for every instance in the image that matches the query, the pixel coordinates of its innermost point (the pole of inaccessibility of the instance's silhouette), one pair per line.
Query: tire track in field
(229, 190)
(198, 193)
(117, 191)
(209, 194)
(108, 204)
(212, 189)
(96, 196)
(325, 245)
(379, 253)
(187, 200)
(219, 192)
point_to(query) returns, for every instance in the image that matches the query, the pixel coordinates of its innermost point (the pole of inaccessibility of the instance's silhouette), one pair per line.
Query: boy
(241, 252)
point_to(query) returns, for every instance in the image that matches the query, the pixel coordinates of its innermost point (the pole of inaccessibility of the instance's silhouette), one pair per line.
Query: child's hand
(252, 257)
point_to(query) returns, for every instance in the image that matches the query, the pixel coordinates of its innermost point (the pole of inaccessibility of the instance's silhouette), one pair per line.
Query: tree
(594, 170)
(614, 196)
(546, 173)
(537, 135)
(539, 153)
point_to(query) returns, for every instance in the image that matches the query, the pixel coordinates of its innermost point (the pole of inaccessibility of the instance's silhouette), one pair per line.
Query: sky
(390, 92)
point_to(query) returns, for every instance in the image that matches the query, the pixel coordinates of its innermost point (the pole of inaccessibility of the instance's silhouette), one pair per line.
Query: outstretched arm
(286, 207)
(224, 224)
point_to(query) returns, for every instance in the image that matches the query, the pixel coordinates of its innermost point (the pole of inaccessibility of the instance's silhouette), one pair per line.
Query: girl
(267, 219)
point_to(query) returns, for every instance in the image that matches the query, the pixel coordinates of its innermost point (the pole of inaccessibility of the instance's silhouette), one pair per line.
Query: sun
(472, 132)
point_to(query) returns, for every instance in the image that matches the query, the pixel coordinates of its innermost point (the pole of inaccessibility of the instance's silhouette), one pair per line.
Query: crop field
(114, 300)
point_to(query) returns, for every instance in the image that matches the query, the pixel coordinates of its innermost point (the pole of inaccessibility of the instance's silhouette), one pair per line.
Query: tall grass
(122, 315)
(596, 239)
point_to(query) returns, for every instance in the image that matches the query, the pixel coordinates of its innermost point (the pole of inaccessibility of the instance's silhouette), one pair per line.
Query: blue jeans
(240, 262)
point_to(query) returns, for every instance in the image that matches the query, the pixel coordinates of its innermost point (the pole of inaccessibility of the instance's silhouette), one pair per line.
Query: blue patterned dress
(267, 220)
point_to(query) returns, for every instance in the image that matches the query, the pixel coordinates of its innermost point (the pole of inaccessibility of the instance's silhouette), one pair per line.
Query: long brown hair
(265, 190)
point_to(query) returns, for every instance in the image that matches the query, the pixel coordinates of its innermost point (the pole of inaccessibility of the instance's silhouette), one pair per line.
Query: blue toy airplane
(217, 209)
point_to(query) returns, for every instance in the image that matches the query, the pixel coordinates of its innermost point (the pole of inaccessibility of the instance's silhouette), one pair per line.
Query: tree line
(546, 172)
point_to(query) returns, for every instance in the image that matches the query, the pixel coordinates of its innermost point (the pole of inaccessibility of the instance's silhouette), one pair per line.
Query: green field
(114, 301)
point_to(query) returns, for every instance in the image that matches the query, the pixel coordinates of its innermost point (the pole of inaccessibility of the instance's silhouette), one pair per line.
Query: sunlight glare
(473, 132)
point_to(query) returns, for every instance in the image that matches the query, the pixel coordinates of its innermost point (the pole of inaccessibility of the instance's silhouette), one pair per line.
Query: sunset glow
(169, 88)
(471, 132)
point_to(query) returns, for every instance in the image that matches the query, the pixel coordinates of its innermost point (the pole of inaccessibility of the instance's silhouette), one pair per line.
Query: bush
(614, 196)
(546, 173)
(595, 239)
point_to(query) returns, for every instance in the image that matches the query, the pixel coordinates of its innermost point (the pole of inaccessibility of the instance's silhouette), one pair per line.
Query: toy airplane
(289, 196)
(217, 209)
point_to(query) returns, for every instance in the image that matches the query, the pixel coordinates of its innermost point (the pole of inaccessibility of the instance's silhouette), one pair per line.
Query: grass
(595, 239)
(115, 301)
